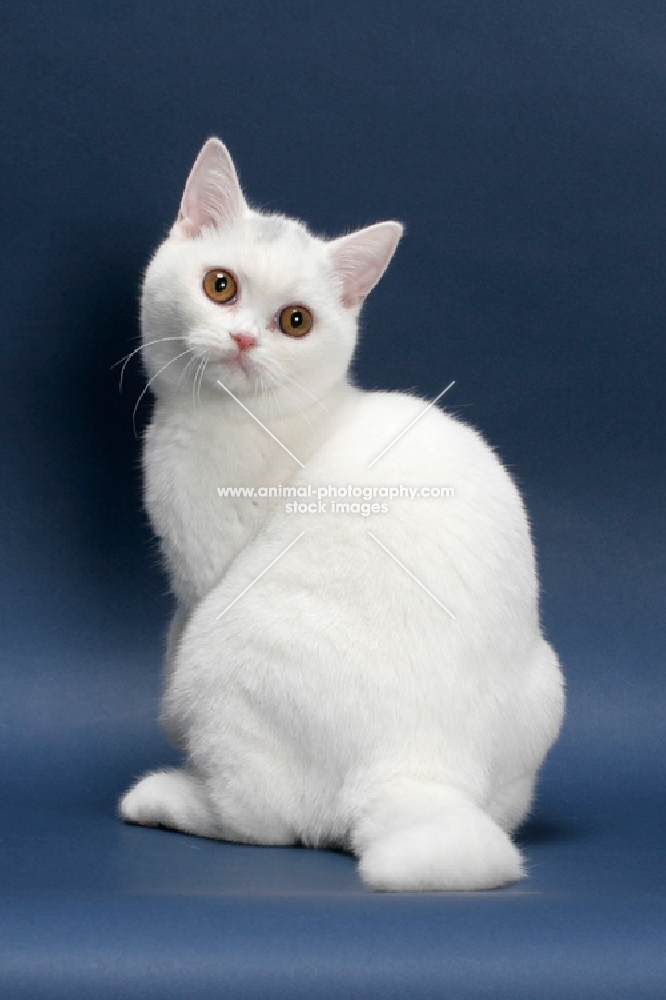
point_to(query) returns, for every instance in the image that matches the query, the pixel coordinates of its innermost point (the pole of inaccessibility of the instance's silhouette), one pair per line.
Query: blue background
(523, 145)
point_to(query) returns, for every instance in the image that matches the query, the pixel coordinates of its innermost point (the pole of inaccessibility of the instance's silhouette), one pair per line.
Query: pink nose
(244, 340)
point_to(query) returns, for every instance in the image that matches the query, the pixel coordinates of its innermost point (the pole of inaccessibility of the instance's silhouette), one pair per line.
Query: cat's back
(430, 490)
(383, 439)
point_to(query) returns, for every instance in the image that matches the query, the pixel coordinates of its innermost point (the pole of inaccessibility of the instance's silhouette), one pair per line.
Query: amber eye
(220, 285)
(296, 321)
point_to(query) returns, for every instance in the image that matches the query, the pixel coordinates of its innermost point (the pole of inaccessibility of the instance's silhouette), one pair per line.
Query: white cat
(378, 683)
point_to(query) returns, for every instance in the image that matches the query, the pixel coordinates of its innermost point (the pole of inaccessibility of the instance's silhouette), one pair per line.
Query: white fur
(335, 703)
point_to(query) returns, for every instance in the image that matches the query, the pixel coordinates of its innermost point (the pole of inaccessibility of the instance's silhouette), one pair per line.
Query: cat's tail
(420, 836)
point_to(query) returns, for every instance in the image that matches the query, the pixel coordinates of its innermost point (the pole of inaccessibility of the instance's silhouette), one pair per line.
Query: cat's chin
(237, 368)
(236, 363)
(238, 375)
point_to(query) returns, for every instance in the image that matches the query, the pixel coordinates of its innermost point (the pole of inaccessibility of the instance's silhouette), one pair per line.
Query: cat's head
(253, 300)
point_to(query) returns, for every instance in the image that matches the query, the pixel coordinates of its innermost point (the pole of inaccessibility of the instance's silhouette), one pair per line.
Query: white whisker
(193, 359)
(291, 378)
(150, 381)
(265, 405)
(276, 397)
(124, 360)
(299, 408)
(194, 380)
(302, 410)
(203, 372)
(259, 387)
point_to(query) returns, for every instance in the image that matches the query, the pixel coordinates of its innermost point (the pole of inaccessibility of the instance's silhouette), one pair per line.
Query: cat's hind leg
(420, 836)
(174, 798)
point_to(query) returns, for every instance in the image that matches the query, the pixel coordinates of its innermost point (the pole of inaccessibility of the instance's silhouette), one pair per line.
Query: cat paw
(436, 854)
(175, 799)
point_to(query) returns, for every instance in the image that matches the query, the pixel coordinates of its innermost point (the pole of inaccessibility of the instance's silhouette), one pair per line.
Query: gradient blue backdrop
(524, 146)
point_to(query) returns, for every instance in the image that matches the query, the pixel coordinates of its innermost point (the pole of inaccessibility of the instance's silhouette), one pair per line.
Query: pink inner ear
(360, 259)
(186, 227)
(212, 195)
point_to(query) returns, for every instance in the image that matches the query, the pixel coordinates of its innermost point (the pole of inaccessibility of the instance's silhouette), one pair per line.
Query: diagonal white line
(421, 414)
(409, 573)
(277, 440)
(284, 551)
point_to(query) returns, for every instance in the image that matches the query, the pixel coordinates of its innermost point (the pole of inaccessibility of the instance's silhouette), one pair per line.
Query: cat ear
(360, 259)
(212, 195)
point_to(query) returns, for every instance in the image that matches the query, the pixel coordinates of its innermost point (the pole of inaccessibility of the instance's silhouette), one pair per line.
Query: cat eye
(295, 321)
(220, 285)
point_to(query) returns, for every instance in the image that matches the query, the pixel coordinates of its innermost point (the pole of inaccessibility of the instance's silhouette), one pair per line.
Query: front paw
(145, 803)
(175, 799)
